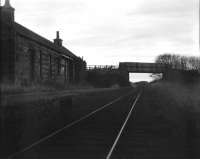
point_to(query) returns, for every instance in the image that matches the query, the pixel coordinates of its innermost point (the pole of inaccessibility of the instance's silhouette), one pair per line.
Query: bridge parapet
(137, 67)
(102, 67)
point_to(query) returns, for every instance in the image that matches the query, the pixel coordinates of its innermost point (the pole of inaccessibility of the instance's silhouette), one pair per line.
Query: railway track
(96, 135)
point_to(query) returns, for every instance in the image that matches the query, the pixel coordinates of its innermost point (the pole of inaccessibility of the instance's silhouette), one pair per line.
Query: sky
(106, 32)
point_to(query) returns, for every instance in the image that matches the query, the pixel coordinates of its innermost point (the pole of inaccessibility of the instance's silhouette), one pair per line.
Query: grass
(183, 96)
(45, 87)
(16, 88)
(173, 111)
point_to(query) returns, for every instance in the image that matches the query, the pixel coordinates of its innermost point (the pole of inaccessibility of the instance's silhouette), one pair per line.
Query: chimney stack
(58, 41)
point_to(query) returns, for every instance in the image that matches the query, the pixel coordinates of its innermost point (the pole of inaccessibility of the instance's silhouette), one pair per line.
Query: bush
(106, 79)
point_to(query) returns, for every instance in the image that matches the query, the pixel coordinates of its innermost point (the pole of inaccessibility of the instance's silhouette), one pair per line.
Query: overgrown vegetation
(101, 79)
(179, 62)
(93, 79)
(47, 86)
(180, 68)
(172, 111)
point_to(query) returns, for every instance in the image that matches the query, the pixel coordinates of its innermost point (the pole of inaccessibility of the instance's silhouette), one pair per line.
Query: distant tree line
(182, 69)
(180, 62)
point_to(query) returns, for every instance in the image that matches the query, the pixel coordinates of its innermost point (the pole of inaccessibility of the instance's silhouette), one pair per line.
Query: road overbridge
(139, 67)
(125, 68)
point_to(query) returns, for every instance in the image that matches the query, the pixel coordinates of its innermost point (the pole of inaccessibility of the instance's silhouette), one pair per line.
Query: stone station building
(27, 58)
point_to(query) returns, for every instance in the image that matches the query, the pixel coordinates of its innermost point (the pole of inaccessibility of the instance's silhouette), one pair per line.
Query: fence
(102, 67)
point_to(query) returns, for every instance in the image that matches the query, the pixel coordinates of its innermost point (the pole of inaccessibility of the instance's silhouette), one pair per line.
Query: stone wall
(35, 63)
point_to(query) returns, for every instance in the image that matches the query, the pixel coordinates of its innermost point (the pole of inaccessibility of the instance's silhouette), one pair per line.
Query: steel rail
(123, 126)
(65, 127)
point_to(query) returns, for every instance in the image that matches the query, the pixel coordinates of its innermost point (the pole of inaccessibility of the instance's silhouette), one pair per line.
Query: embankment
(171, 112)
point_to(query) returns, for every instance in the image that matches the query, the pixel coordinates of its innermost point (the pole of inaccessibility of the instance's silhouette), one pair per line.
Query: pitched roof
(23, 31)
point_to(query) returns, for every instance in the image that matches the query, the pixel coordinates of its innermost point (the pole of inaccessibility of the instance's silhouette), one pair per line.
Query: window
(50, 66)
(58, 66)
(41, 64)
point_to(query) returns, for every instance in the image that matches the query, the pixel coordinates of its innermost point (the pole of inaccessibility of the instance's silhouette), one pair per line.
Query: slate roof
(23, 31)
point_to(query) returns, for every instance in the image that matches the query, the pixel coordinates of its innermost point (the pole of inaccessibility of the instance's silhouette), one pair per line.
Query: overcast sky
(109, 31)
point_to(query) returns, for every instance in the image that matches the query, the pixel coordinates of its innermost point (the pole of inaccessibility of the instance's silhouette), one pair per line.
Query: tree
(178, 62)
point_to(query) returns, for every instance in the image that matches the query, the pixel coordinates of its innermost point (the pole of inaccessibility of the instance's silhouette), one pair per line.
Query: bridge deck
(143, 67)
